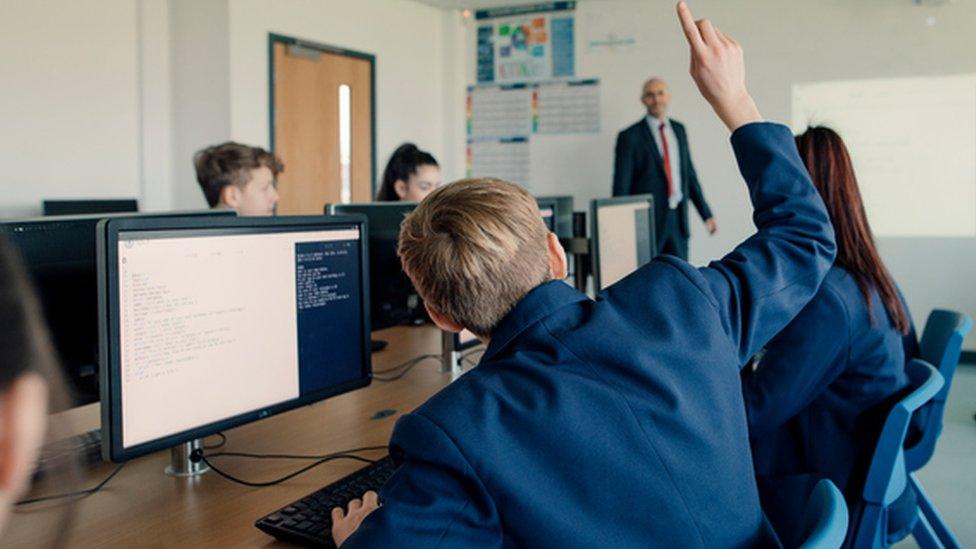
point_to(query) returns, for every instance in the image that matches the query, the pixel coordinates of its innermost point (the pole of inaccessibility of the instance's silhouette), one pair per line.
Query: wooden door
(307, 130)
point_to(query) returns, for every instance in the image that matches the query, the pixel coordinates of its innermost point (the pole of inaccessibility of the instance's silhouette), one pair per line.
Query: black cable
(405, 363)
(198, 455)
(223, 441)
(79, 494)
(296, 456)
(407, 366)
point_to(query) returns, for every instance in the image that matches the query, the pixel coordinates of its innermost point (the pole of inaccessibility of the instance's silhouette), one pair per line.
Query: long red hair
(826, 158)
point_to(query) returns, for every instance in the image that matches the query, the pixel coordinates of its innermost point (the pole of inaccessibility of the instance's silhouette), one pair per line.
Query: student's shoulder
(469, 391)
(832, 305)
(840, 287)
(662, 279)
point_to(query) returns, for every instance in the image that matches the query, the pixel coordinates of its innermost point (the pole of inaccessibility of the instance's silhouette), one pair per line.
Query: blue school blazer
(819, 398)
(617, 422)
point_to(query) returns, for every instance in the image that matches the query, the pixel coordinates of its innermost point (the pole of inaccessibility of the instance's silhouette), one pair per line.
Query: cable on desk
(79, 494)
(197, 455)
(404, 368)
(296, 456)
(405, 363)
(223, 440)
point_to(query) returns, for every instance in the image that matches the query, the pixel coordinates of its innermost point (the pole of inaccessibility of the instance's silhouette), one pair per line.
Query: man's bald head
(656, 96)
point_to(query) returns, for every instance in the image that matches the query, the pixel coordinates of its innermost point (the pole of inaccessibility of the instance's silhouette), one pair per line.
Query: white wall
(200, 80)
(405, 36)
(786, 41)
(69, 103)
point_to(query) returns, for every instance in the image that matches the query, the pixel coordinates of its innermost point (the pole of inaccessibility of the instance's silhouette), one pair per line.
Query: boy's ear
(230, 195)
(442, 321)
(557, 258)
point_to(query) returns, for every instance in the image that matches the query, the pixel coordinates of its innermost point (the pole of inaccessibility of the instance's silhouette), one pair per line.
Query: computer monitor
(80, 207)
(209, 324)
(59, 256)
(622, 236)
(393, 299)
(564, 214)
(550, 211)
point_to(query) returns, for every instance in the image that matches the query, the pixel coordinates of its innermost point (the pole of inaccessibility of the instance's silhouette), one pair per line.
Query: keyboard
(84, 449)
(308, 521)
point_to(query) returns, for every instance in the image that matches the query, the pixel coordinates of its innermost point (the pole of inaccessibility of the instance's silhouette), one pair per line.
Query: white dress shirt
(674, 155)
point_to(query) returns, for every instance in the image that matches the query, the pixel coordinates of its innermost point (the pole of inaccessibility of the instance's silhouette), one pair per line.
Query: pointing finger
(688, 25)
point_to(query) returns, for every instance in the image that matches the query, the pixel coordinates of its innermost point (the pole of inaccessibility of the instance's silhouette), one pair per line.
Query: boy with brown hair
(610, 423)
(232, 175)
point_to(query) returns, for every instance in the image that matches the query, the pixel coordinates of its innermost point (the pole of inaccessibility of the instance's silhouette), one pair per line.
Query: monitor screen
(393, 299)
(563, 224)
(77, 207)
(234, 321)
(622, 237)
(59, 256)
(550, 211)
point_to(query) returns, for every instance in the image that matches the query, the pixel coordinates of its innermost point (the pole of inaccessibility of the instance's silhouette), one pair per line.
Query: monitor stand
(450, 357)
(180, 463)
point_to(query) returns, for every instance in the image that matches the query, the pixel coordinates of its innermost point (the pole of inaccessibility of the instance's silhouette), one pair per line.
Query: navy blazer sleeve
(439, 501)
(623, 166)
(764, 282)
(799, 364)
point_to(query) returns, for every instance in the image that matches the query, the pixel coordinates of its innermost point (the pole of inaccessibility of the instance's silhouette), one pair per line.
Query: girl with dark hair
(410, 175)
(819, 396)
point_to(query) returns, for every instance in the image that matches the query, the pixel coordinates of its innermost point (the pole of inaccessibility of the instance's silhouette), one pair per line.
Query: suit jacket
(617, 422)
(639, 169)
(820, 396)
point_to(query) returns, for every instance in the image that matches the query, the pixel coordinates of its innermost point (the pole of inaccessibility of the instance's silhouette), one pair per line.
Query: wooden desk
(143, 507)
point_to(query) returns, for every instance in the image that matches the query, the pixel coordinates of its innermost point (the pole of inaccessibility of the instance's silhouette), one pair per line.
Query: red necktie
(667, 159)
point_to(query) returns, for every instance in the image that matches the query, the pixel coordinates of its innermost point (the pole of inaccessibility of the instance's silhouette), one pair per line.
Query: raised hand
(718, 68)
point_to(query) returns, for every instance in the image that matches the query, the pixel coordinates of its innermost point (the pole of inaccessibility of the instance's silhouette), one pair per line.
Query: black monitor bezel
(51, 207)
(339, 209)
(59, 223)
(564, 230)
(552, 204)
(110, 368)
(595, 206)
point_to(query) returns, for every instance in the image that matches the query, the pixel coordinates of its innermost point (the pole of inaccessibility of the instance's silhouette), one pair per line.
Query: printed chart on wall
(502, 118)
(915, 160)
(526, 43)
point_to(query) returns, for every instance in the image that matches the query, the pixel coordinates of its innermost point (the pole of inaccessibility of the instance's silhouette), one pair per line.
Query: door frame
(274, 38)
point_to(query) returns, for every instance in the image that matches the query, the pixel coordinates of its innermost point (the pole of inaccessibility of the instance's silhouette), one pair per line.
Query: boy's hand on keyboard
(344, 524)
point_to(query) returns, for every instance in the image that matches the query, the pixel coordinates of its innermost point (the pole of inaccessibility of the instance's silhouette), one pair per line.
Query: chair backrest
(940, 346)
(887, 476)
(824, 522)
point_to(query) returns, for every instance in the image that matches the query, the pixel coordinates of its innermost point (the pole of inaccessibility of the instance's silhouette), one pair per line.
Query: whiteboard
(913, 145)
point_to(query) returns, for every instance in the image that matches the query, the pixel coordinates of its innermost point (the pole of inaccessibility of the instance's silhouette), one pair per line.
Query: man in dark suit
(652, 157)
(610, 423)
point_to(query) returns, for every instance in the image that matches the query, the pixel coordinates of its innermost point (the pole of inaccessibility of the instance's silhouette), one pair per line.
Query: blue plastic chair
(887, 476)
(824, 522)
(941, 346)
